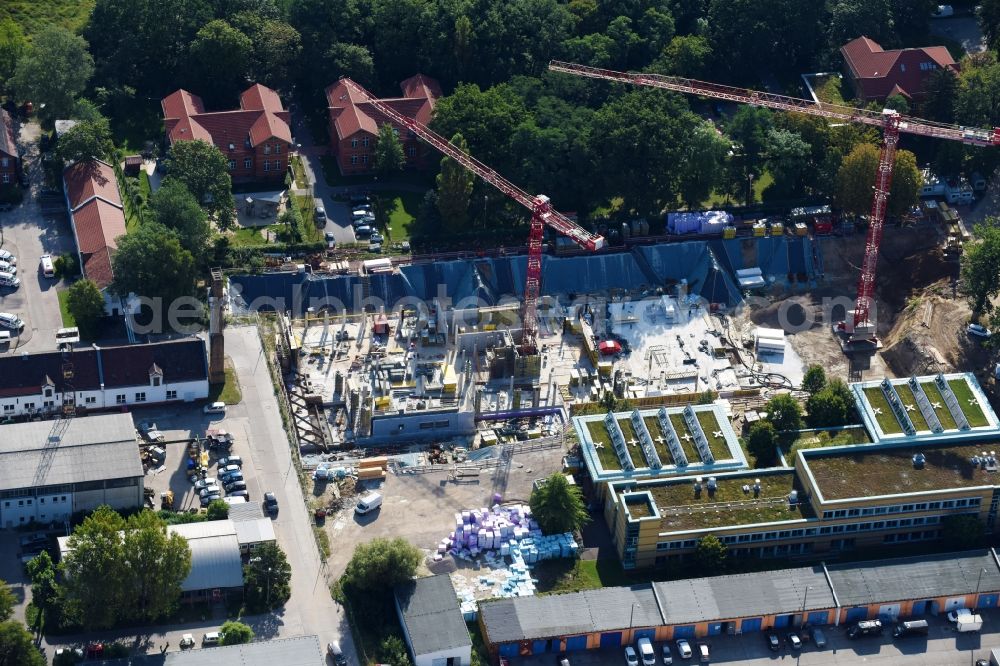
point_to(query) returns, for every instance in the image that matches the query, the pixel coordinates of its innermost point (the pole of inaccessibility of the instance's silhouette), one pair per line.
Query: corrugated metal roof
(745, 595)
(432, 616)
(923, 577)
(91, 448)
(259, 530)
(215, 555)
(298, 651)
(607, 609)
(245, 511)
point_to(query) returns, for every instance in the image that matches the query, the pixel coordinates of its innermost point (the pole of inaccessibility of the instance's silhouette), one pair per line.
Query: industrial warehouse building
(298, 651)
(50, 470)
(432, 622)
(744, 603)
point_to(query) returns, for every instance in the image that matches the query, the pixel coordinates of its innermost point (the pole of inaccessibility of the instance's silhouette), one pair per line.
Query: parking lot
(943, 647)
(28, 234)
(421, 507)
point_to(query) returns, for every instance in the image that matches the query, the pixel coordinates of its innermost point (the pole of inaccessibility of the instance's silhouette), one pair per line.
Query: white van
(368, 503)
(9, 280)
(48, 269)
(210, 638)
(646, 653)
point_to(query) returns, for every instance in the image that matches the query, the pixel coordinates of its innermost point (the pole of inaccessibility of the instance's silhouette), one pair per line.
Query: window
(354, 159)
(48, 393)
(8, 408)
(277, 165)
(247, 163)
(156, 381)
(232, 146)
(120, 399)
(48, 403)
(364, 159)
(267, 165)
(232, 164)
(364, 142)
(5, 162)
(354, 143)
(6, 178)
(411, 151)
(140, 396)
(171, 395)
(90, 400)
(277, 149)
(267, 149)
(29, 405)
(902, 67)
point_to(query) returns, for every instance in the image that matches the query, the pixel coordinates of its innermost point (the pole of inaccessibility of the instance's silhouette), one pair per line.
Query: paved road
(338, 214)
(29, 234)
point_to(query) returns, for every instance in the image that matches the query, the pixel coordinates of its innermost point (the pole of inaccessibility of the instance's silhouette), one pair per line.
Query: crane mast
(861, 325)
(542, 212)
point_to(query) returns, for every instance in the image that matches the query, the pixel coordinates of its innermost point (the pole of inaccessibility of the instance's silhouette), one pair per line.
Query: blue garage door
(611, 639)
(987, 601)
(856, 614)
(782, 621)
(920, 607)
(508, 649)
(714, 628)
(645, 633)
(686, 631)
(576, 643)
(750, 624)
(539, 647)
(819, 617)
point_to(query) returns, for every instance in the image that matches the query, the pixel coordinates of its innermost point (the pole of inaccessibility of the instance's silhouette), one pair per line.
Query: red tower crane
(860, 324)
(542, 212)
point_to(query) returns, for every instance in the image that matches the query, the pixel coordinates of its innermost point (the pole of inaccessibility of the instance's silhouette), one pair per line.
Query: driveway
(338, 213)
(28, 233)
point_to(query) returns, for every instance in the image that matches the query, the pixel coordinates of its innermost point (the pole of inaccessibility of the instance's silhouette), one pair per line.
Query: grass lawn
(67, 318)
(916, 416)
(935, 398)
(716, 199)
(246, 236)
(886, 419)
(605, 452)
(403, 209)
(561, 576)
(145, 189)
(653, 426)
(300, 173)
(967, 401)
(687, 445)
(310, 233)
(229, 392)
(829, 89)
(35, 15)
(717, 445)
(823, 438)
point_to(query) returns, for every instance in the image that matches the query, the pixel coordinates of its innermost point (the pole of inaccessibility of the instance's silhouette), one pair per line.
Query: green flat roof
(844, 475)
(681, 510)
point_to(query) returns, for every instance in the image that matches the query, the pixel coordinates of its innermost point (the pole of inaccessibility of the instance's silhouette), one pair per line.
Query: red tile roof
(8, 145)
(879, 73)
(350, 113)
(259, 118)
(87, 180)
(97, 215)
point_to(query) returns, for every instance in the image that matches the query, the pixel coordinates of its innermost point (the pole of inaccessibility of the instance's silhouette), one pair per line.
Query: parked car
(208, 499)
(229, 470)
(271, 503)
(319, 213)
(7, 267)
(979, 331)
(646, 652)
(363, 230)
(819, 638)
(11, 321)
(335, 653)
(9, 280)
(209, 490)
(215, 408)
(242, 494)
(331, 240)
(684, 649)
(210, 482)
(232, 478)
(865, 628)
(794, 641)
(953, 615)
(187, 641)
(562, 660)
(211, 638)
(668, 658)
(29, 540)
(631, 659)
(231, 460)
(233, 486)
(8, 256)
(376, 238)
(773, 642)
(704, 653)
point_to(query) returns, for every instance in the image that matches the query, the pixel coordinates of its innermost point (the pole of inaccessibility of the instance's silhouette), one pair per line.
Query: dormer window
(155, 375)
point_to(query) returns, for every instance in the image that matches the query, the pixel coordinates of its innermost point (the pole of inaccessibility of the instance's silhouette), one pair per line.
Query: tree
(392, 651)
(486, 118)
(981, 267)
(940, 90)
(204, 170)
(710, 554)
(856, 178)
(761, 442)
(788, 157)
(276, 49)
(235, 633)
(218, 62)
(558, 506)
(827, 408)
(7, 601)
(53, 71)
(17, 648)
(173, 206)
(784, 412)
(389, 157)
(454, 188)
(267, 579)
(814, 379)
(989, 20)
(156, 564)
(85, 302)
(961, 532)
(12, 47)
(341, 59)
(44, 590)
(85, 140)
(685, 55)
(380, 565)
(704, 159)
(218, 510)
(151, 262)
(853, 18)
